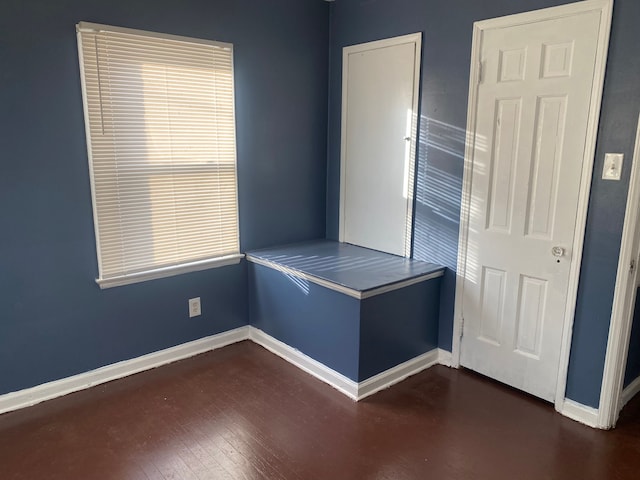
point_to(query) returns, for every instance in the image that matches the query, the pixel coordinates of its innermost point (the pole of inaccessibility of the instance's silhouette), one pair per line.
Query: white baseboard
(445, 358)
(629, 392)
(397, 374)
(46, 391)
(306, 363)
(354, 390)
(580, 413)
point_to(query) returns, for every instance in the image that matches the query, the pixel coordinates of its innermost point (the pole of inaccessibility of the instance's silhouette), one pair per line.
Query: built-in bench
(367, 316)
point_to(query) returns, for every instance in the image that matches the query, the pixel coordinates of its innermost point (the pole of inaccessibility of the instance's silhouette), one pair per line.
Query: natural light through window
(407, 153)
(160, 119)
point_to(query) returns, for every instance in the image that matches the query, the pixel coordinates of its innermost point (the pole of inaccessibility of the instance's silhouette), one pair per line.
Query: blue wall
(621, 104)
(447, 30)
(54, 320)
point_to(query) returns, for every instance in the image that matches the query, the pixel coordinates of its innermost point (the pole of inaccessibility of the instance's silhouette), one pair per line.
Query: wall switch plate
(194, 307)
(612, 166)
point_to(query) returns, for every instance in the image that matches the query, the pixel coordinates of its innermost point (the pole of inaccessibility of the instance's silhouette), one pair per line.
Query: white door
(380, 93)
(533, 110)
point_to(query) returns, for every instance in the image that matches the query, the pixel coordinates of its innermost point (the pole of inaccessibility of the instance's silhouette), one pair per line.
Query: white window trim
(169, 271)
(98, 27)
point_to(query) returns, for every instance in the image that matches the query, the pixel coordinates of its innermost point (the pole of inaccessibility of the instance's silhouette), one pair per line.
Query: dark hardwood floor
(241, 412)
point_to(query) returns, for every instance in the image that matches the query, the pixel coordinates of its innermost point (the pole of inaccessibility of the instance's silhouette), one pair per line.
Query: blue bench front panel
(398, 326)
(357, 338)
(321, 323)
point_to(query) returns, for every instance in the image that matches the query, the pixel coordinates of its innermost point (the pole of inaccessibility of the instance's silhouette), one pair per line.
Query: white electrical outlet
(194, 307)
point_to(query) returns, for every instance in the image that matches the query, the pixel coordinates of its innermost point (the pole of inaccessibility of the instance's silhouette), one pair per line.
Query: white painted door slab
(533, 111)
(378, 135)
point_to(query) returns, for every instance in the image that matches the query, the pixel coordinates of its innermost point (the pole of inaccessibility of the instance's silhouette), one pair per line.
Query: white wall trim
(606, 9)
(171, 271)
(354, 390)
(465, 201)
(57, 388)
(624, 299)
(415, 38)
(445, 358)
(396, 374)
(628, 393)
(398, 285)
(545, 14)
(304, 362)
(580, 413)
(98, 27)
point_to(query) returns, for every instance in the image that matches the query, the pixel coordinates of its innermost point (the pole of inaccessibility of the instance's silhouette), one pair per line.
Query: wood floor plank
(242, 413)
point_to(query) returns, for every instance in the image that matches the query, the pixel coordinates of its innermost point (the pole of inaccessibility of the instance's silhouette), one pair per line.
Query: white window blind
(159, 114)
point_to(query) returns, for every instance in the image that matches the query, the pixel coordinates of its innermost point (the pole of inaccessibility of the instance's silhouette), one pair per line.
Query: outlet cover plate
(194, 307)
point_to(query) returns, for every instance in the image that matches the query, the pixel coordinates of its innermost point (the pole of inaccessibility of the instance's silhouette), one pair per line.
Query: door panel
(507, 134)
(533, 108)
(542, 201)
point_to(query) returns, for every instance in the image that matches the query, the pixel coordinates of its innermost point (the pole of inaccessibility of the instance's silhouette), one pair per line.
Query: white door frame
(416, 39)
(606, 9)
(622, 312)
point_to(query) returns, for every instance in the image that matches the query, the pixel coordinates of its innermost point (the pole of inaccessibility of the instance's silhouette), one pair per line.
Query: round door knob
(557, 251)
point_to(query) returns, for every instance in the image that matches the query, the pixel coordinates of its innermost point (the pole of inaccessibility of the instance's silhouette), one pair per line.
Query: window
(160, 124)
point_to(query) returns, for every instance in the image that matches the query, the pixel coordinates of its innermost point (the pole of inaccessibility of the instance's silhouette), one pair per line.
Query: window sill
(169, 271)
